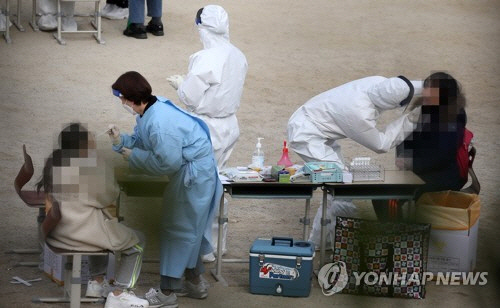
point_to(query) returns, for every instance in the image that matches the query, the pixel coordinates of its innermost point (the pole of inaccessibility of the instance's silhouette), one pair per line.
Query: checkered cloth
(395, 252)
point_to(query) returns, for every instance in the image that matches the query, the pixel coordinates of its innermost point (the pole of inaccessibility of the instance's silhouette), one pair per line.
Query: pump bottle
(258, 155)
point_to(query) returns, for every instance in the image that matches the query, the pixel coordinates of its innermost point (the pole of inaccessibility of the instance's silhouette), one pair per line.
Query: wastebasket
(454, 219)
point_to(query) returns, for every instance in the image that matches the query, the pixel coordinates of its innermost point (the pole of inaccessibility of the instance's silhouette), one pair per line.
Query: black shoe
(136, 30)
(155, 29)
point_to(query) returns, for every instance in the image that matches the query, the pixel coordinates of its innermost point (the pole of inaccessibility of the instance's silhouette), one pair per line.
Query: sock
(156, 20)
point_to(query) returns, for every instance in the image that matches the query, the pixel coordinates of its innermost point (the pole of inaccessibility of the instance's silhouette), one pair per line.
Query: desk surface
(391, 177)
(397, 184)
(140, 185)
(124, 175)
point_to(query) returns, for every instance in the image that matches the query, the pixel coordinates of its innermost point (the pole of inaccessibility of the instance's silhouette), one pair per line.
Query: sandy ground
(294, 52)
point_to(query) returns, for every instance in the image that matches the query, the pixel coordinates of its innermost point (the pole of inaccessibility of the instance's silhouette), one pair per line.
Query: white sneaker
(208, 258)
(116, 13)
(47, 22)
(94, 289)
(108, 7)
(69, 24)
(125, 300)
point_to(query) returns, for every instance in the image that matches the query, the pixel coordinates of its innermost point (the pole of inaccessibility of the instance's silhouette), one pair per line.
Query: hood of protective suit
(214, 27)
(389, 93)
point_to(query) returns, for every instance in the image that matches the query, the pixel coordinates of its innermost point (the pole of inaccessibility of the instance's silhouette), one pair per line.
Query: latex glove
(125, 153)
(114, 134)
(414, 115)
(175, 81)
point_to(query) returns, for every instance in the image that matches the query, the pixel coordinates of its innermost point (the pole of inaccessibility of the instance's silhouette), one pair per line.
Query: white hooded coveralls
(213, 87)
(349, 111)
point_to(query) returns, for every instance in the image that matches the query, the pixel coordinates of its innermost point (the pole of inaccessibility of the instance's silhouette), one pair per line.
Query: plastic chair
(31, 198)
(475, 186)
(96, 22)
(72, 267)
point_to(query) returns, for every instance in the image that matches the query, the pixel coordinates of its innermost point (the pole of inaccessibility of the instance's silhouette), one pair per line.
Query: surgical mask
(129, 109)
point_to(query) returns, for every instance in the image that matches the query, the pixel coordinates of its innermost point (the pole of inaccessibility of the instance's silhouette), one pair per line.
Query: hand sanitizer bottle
(258, 155)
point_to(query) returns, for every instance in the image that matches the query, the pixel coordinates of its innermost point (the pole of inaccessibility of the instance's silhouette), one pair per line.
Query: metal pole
(324, 223)
(306, 220)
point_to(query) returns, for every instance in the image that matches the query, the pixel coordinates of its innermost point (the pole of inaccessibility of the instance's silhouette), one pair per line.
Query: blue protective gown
(169, 141)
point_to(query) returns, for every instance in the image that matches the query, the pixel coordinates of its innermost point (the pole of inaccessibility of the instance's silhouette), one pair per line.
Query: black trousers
(121, 3)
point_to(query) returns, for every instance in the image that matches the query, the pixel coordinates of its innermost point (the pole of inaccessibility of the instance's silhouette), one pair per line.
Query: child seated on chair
(83, 185)
(431, 150)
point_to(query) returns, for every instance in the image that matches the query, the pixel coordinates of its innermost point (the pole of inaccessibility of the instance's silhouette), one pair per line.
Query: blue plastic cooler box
(281, 266)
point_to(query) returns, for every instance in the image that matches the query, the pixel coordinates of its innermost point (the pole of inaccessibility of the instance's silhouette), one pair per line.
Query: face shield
(123, 103)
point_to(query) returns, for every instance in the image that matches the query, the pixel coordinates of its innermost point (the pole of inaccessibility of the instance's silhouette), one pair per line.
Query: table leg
(218, 258)
(306, 221)
(412, 210)
(324, 223)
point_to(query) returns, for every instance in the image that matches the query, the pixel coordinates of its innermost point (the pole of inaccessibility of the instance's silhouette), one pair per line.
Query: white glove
(414, 115)
(175, 81)
(125, 153)
(114, 134)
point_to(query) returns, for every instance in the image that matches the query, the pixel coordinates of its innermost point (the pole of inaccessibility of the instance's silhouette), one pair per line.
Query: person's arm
(128, 141)
(164, 159)
(201, 76)
(364, 132)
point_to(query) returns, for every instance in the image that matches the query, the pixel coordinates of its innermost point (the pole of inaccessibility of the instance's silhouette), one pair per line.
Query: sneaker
(107, 8)
(125, 300)
(116, 12)
(68, 23)
(156, 298)
(47, 22)
(155, 29)
(189, 289)
(94, 289)
(107, 288)
(136, 30)
(208, 258)
(204, 282)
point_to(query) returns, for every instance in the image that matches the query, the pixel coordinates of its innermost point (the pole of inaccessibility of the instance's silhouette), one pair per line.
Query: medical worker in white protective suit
(48, 18)
(351, 111)
(212, 90)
